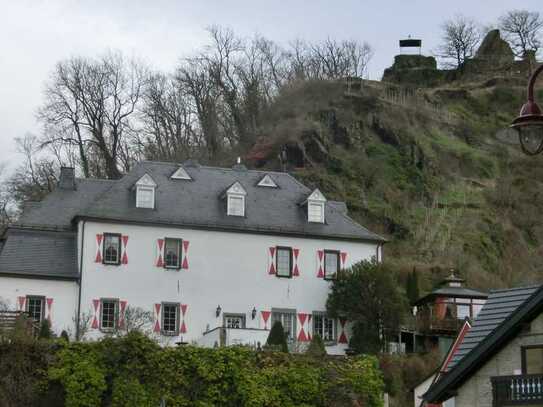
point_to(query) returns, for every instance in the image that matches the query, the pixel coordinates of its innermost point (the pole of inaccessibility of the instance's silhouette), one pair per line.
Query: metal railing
(517, 390)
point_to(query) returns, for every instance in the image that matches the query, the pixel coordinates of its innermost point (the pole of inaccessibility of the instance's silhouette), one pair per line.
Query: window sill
(111, 264)
(176, 268)
(165, 333)
(279, 276)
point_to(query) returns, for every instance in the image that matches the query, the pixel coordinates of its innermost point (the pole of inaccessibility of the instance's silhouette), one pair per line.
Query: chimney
(67, 178)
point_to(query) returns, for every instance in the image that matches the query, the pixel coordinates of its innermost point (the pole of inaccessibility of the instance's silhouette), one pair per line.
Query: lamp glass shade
(531, 137)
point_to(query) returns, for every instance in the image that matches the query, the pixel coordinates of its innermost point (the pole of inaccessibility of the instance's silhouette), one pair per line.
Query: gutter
(78, 317)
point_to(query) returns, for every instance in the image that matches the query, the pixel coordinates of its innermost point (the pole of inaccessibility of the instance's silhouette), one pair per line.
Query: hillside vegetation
(436, 171)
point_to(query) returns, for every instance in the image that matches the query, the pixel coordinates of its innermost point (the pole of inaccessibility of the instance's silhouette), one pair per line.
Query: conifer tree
(277, 338)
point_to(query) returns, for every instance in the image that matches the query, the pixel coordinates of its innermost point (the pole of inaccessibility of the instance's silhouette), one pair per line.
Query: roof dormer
(235, 200)
(315, 207)
(267, 181)
(145, 192)
(182, 174)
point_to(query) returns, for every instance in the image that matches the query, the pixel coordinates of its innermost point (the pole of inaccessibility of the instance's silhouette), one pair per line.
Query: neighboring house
(216, 255)
(499, 362)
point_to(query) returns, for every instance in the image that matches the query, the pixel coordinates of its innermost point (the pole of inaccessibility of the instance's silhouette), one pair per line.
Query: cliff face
(437, 171)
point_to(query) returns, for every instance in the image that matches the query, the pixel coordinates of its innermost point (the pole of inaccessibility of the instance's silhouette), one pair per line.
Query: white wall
(226, 269)
(63, 295)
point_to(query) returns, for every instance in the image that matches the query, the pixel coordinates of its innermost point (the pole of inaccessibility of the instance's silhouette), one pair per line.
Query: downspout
(78, 319)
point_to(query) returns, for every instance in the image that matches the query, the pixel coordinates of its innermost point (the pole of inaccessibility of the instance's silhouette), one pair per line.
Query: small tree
(367, 295)
(316, 348)
(459, 40)
(523, 30)
(412, 288)
(45, 330)
(277, 339)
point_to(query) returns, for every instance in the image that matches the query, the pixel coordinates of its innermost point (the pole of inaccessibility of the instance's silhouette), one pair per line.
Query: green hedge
(134, 371)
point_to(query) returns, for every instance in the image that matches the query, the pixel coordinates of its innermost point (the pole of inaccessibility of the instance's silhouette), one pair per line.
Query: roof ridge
(523, 287)
(215, 167)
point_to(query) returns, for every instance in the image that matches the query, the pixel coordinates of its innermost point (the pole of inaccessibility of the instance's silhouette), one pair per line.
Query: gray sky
(35, 34)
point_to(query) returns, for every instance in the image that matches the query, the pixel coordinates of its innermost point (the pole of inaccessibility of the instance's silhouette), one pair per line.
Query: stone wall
(477, 391)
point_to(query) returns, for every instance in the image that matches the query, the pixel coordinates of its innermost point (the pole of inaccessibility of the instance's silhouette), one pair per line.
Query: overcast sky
(35, 34)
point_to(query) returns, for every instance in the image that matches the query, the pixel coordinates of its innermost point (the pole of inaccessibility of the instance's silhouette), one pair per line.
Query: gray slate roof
(499, 322)
(499, 306)
(39, 253)
(457, 292)
(197, 203)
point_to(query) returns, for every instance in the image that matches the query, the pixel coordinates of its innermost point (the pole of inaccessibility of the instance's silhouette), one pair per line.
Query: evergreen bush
(277, 339)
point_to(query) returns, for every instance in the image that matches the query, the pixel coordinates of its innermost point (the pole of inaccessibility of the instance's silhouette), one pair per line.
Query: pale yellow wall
(477, 391)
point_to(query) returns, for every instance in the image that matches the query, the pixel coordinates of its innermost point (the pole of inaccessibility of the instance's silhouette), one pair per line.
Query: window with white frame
(324, 327)
(236, 205)
(112, 248)
(35, 307)
(283, 262)
(315, 212)
(236, 321)
(172, 253)
(331, 264)
(145, 197)
(109, 314)
(288, 320)
(170, 319)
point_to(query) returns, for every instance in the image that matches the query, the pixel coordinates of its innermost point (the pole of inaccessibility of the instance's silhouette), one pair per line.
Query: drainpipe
(78, 318)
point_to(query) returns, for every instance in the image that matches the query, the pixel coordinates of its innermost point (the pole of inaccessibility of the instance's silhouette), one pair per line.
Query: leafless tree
(36, 176)
(136, 319)
(523, 30)
(460, 37)
(89, 104)
(83, 324)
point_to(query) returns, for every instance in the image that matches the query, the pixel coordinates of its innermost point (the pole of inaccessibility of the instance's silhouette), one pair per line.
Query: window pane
(462, 311)
(235, 321)
(169, 318)
(35, 308)
(315, 212)
(172, 250)
(235, 206)
(109, 314)
(112, 245)
(534, 360)
(145, 197)
(324, 327)
(283, 262)
(330, 264)
(476, 309)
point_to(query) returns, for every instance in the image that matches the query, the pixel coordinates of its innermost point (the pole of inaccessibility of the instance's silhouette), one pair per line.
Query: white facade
(224, 269)
(59, 299)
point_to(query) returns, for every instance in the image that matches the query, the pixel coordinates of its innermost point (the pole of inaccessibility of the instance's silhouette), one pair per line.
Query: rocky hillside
(436, 171)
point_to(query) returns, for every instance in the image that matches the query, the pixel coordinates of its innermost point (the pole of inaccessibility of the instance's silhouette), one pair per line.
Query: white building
(217, 255)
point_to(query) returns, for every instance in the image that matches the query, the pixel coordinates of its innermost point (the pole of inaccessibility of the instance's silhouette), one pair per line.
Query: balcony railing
(429, 324)
(517, 390)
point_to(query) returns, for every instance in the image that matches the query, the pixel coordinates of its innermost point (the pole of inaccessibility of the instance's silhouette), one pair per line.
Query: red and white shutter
(159, 253)
(309, 327)
(343, 259)
(157, 318)
(265, 318)
(271, 260)
(99, 247)
(122, 311)
(125, 254)
(342, 331)
(21, 302)
(183, 327)
(49, 302)
(296, 269)
(320, 263)
(185, 264)
(96, 307)
(304, 329)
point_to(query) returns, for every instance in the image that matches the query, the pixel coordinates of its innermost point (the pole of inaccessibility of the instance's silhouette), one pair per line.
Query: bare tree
(83, 324)
(137, 319)
(88, 106)
(522, 29)
(460, 37)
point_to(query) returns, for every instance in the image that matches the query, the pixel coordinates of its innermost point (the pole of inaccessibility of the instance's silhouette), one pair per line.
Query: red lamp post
(529, 124)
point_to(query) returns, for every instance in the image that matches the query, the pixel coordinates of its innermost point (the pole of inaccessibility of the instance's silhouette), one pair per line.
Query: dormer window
(315, 207)
(267, 181)
(235, 200)
(145, 192)
(182, 174)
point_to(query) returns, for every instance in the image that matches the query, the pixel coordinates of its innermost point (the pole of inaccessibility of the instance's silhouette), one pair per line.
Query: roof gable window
(267, 181)
(315, 207)
(182, 174)
(235, 200)
(145, 192)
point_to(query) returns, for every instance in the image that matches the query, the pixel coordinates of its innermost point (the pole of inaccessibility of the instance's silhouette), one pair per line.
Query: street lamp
(529, 124)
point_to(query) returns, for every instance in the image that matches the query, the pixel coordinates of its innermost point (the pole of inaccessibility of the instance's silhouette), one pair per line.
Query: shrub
(45, 330)
(316, 347)
(277, 339)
